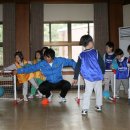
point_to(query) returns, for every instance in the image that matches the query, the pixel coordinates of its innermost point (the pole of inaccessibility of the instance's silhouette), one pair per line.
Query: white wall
(126, 15)
(68, 12)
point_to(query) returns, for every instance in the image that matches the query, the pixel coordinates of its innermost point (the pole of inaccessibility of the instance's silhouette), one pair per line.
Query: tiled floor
(56, 116)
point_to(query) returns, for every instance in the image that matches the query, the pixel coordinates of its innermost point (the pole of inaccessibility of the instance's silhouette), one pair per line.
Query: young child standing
(91, 66)
(108, 58)
(38, 76)
(128, 49)
(20, 62)
(122, 72)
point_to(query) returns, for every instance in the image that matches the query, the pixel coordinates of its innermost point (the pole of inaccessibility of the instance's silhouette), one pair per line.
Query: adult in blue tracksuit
(51, 67)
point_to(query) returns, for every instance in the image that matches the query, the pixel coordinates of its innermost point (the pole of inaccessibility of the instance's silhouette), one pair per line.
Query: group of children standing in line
(46, 74)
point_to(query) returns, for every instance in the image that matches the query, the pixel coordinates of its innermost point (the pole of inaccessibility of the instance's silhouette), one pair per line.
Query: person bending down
(51, 67)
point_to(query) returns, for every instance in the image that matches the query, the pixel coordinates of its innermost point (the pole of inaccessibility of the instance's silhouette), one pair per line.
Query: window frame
(68, 43)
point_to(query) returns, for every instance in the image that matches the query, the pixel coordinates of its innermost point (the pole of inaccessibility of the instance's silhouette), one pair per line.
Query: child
(128, 49)
(92, 68)
(51, 67)
(108, 58)
(39, 77)
(122, 72)
(23, 78)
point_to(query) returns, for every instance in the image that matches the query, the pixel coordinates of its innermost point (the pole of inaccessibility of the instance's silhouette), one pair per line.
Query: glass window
(76, 50)
(60, 51)
(91, 29)
(46, 33)
(59, 32)
(1, 56)
(56, 37)
(78, 30)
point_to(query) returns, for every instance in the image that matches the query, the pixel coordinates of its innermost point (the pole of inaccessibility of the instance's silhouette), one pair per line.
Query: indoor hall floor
(57, 116)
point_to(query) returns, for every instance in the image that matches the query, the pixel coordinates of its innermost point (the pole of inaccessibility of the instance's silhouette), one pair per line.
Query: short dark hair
(110, 44)
(128, 49)
(50, 53)
(118, 52)
(20, 54)
(38, 51)
(85, 39)
(44, 48)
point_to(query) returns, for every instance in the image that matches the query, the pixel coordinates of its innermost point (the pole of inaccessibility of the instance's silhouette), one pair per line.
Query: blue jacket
(122, 72)
(52, 73)
(90, 68)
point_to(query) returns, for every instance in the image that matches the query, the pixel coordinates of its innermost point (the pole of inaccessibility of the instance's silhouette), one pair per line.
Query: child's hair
(44, 48)
(20, 54)
(50, 53)
(42, 53)
(128, 49)
(85, 39)
(38, 51)
(110, 44)
(118, 52)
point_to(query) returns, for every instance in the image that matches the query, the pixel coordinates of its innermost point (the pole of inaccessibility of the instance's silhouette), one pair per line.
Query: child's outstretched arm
(101, 63)
(77, 71)
(31, 68)
(10, 68)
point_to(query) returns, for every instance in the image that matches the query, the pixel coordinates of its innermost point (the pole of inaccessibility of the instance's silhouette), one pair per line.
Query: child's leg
(125, 83)
(32, 81)
(106, 81)
(33, 89)
(112, 81)
(98, 92)
(118, 83)
(25, 91)
(86, 96)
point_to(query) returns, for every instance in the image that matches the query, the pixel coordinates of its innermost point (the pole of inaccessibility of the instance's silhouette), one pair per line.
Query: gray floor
(56, 116)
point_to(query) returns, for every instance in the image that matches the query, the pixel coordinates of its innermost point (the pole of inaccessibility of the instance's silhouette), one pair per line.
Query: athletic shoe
(84, 113)
(30, 96)
(98, 109)
(62, 100)
(25, 99)
(112, 98)
(50, 98)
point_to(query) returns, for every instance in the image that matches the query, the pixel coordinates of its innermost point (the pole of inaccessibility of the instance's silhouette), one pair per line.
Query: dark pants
(46, 87)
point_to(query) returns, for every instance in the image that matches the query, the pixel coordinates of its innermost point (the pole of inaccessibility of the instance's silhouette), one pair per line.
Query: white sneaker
(84, 113)
(30, 96)
(62, 100)
(25, 99)
(98, 109)
(39, 96)
(50, 98)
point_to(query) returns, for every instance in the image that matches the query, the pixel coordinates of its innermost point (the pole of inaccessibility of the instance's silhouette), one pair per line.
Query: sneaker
(39, 96)
(25, 99)
(50, 98)
(117, 97)
(112, 98)
(30, 96)
(84, 113)
(62, 100)
(98, 109)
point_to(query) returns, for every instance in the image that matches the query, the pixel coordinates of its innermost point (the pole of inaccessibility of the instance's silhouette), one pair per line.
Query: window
(1, 44)
(64, 37)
